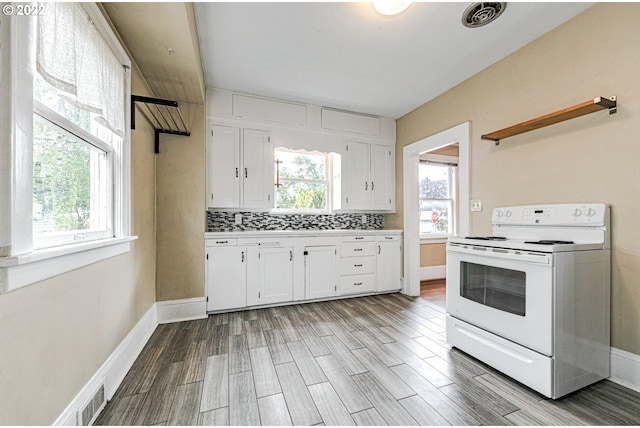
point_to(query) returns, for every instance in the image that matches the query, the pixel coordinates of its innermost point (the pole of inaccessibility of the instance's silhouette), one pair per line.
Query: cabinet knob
(236, 172)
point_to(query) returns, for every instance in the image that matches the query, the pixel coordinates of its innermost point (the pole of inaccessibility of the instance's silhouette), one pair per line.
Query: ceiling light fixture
(389, 8)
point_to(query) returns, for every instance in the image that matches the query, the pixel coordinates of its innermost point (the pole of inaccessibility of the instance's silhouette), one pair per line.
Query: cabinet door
(321, 271)
(257, 169)
(358, 189)
(223, 167)
(388, 264)
(382, 177)
(270, 277)
(226, 278)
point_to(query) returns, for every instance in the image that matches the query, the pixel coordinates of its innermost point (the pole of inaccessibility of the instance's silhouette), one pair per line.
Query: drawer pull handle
(357, 265)
(357, 249)
(359, 237)
(357, 283)
(388, 237)
(222, 242)
(379, 248)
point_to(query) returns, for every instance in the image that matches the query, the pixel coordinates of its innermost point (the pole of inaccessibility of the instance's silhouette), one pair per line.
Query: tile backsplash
(224, 221)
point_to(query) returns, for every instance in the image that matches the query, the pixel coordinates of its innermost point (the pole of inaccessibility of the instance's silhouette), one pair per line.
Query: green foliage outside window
(303, 184)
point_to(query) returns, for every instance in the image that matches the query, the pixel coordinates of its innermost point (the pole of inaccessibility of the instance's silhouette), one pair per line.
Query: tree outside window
(301, 180)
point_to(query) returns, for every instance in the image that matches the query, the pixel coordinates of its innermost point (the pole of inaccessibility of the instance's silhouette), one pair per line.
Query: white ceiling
(345, 55)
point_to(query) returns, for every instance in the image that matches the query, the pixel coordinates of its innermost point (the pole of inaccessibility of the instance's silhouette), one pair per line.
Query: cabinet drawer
(357, 249)
(385, 238)
(357, 265)
(357, 238)
(221, 242)
(356, 284)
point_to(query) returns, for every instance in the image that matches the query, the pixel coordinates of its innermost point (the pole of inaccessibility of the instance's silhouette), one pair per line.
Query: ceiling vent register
(480, 14)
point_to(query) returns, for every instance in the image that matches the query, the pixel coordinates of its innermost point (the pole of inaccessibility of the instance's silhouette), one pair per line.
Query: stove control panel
(552, 215)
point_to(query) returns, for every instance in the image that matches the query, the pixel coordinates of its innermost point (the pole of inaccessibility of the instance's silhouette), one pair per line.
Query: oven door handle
(496, 253)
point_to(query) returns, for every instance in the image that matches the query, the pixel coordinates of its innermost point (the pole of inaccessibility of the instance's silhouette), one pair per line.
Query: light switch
(238, 218)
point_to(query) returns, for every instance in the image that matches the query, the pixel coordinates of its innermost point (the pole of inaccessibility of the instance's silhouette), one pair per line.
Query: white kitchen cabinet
(226, 276)
(368, 177)
(388, 262)
(357, 265)
(223, 167)
(269, 275)
(321, 278)
(239, 168)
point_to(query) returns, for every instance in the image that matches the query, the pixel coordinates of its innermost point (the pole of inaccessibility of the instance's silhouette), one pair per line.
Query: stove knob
(500, 213)
(591, 212)
(577, 212)
(508, 213)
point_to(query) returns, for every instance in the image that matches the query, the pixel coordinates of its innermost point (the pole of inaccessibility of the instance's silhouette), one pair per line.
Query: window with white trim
(302, 180)
(79, 95)
(437, 192)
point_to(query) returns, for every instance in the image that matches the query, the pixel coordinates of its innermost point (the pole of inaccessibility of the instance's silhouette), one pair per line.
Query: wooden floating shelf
(596, 104)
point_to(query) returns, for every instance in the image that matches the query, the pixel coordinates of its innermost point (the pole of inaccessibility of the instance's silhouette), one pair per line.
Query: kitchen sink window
(437, 189)
(302, 182)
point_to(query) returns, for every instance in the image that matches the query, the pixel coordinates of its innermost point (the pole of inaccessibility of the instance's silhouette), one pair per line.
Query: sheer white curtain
(73, 57)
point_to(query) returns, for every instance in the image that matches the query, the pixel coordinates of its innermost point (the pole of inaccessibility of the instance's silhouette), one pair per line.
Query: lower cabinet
(320, 271)
(226, 277)
(269, 275)
(249, 271)
(388, 262)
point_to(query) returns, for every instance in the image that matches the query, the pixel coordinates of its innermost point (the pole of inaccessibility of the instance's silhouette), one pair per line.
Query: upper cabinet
(239, 168)
(368, 177)
(245, 130)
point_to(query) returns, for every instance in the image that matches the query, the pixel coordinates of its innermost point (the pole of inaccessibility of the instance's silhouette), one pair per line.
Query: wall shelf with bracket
(591, 106)
(163, 115)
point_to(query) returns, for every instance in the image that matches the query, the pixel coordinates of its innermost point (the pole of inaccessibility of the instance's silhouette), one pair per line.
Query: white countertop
(300, 233)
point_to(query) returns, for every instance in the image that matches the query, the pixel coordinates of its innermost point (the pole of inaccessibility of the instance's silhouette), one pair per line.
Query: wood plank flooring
(379, 360)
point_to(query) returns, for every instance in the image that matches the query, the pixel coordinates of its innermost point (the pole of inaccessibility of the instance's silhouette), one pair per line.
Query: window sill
(25, 269)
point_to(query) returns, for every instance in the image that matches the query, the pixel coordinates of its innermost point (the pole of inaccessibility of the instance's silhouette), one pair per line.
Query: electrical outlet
(476, 205)
(238, 218)
(364, 218)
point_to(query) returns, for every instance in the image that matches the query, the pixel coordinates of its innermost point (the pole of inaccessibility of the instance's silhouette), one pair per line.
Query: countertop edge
(299, 233)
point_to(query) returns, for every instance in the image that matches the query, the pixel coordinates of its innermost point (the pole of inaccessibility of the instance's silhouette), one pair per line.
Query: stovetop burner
(487, 238)
(548, 242)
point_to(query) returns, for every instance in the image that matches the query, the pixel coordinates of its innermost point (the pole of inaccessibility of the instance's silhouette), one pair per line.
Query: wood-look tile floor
(377, 360)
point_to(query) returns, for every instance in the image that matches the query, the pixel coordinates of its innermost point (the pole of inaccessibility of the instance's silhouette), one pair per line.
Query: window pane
(69, 182)
(435, 217)
(434, 181)
(301, 165)
(299, 195)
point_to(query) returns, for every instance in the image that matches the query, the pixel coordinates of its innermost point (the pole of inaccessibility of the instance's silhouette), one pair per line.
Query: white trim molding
(182, 310)
(19, 271)
(410, 160)
(625, 369)
(115, 368)
(432, 272)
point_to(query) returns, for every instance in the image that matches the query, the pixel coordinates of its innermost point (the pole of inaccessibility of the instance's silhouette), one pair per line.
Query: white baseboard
(432, 272)
(114, 369)
(182, 310)
(625, 369)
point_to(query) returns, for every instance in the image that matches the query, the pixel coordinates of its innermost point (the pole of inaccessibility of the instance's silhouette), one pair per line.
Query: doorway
(411, 196)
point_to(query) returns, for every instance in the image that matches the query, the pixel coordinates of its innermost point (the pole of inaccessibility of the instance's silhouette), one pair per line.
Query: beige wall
(589, 159)
(180, 181)
(54, 335)
(433, 254)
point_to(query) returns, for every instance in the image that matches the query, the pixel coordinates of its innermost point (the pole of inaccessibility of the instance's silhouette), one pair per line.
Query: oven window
(499, 288)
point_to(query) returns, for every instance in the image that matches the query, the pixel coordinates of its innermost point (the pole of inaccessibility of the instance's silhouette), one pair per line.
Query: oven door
(506, 292)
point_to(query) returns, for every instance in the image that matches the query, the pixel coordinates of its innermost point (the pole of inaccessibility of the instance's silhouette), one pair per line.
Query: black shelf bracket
(163, 115)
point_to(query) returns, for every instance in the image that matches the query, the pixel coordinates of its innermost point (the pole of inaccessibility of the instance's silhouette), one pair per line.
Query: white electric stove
(532, 299)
